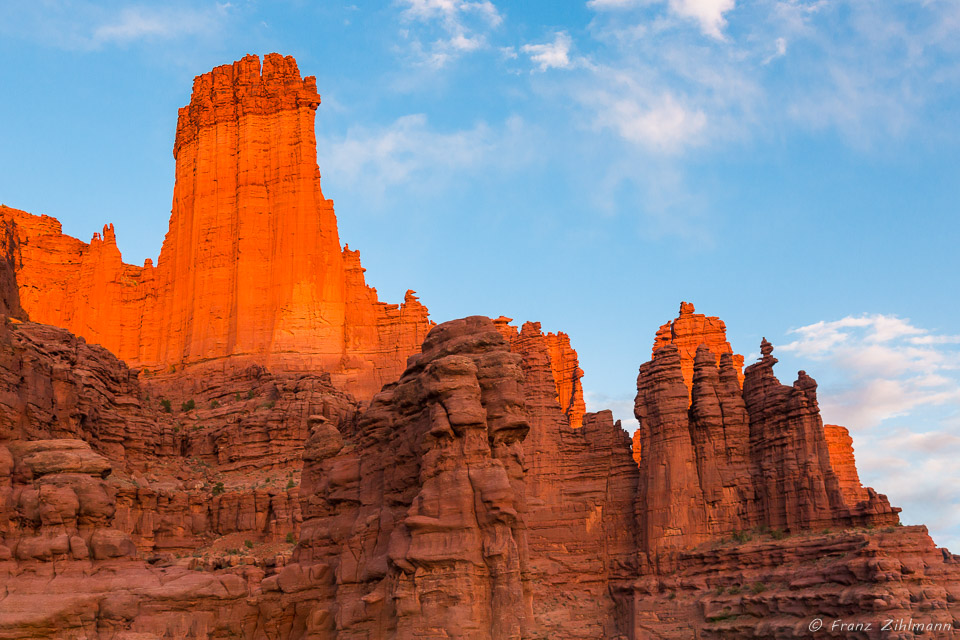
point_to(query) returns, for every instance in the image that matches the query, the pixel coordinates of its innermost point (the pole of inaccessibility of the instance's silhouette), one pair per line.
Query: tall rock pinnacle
(251, 268)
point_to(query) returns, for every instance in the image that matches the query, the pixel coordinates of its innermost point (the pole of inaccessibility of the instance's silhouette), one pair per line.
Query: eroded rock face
(840, 447)
(416, 518)
(564, 365)
(9, 262)
(764, 586)
(735, 461)
(473, 497)
(580, 485)
(461, 503)
(690, 330)
(251, 268)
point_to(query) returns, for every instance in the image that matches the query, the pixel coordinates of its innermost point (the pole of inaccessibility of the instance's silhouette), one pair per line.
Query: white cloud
(451, 10)
(412, 154)
(135, 23)
(780, 50)
(917, 470)
(554, 54)
(896, 386)
(451, 27)
(607, 5)
(707, 13)
(86, 26)
(664, 124)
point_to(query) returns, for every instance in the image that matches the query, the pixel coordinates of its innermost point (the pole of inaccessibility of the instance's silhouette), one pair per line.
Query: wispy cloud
(135, 23)
(551, 55)
(707, 14)
(90, 26)
(897, 387)
(446, 29)
(409, 152)
(660, 122)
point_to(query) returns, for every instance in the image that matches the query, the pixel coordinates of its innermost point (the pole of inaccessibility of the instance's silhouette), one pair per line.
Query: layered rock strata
(580, 483)
(564, 364)
(473, 497)
(690, 330)
(251, 268)
(461, 503)
(735, 460)
(417, 517)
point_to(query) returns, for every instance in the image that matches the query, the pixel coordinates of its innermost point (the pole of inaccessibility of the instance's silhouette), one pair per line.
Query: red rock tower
(251, 269)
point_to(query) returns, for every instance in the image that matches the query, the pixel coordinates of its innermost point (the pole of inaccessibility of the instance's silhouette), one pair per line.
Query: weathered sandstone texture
(690, 330)
(460, 504)
(230, 479)
(735, 460)
(251, 268)
(564, 365)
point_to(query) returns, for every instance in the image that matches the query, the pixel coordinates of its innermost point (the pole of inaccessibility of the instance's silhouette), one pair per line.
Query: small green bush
(290, 538)
(758, 587)
(218, 489)
(270, 404)
(250, 394)
(237, 397)
(778, 534)
(189, 405)
(248, 544)
(734, 590)
(291, 484)
(165, 405)
(215, 405)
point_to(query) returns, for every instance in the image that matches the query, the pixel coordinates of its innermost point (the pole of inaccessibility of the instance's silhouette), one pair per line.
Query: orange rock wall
(840, 448)
(564, 364)
(251, 267)
(688, 332)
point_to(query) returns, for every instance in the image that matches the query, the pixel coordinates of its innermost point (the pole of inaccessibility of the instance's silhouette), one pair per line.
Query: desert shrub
(215, 404)
(218, 489)
(165, 405)
(758, 587)
(290, 538)
(291, 484)
(248, 544)
(189, 405)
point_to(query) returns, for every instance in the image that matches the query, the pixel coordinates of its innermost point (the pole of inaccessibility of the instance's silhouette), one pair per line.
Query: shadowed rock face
(251, 268)
(735, 460)
(461, 503)
(9, 260)
(473, 497)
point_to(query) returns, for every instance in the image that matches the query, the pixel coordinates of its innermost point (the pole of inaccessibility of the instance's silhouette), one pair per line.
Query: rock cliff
(735, 460)
(251, 268)
(564, 365)
(226, 479)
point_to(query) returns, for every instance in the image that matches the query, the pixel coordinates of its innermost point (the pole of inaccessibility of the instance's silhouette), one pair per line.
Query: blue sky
(788, 165)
